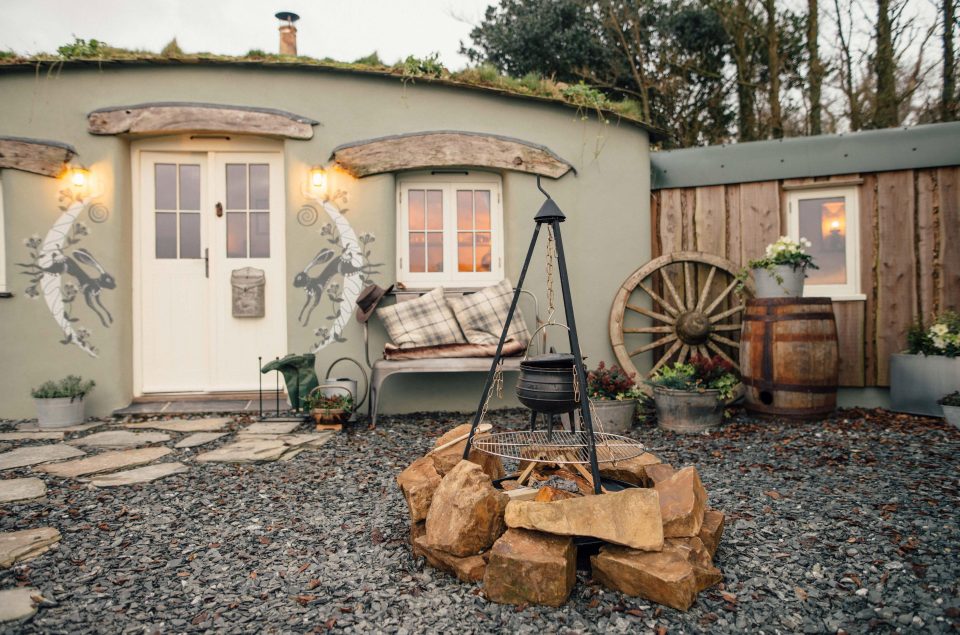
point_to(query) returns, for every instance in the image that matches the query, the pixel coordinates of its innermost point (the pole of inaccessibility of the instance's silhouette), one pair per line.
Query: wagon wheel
(694, 310)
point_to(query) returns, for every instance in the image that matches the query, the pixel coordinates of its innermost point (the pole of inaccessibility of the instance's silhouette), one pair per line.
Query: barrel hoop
(805, 337)
(782, 301)
(761, 384)
(766, 364)
(786, 317)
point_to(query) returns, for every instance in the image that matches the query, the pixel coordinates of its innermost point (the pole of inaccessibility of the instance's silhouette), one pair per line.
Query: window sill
(5, 294)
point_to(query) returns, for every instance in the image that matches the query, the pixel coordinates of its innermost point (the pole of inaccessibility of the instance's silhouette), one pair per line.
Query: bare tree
(815, 67)
(773, 65)
(949, 97)
(885, 113)
(849, 84)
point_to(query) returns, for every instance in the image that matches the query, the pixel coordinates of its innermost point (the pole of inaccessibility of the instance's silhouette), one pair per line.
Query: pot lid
(549, 360)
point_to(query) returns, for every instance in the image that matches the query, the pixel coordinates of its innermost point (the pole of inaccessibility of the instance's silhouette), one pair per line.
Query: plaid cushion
(425, 321)
(481, 315)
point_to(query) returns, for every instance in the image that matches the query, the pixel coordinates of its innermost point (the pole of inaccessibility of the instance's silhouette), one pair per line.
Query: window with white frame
(829, 218)
(449, 230)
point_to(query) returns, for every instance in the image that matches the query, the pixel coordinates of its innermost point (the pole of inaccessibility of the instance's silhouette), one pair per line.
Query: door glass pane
(481, 209)
(434, 209)
(464, 209)
(165, 186)
(434, 251)
(236, 186)
(823, 221)
(418, 254)
(166, 234)
(190, 187)
(484, 251)
(464, 251)
(259, 186)
(416, 209)
(259, 233)
(189, 235)
(236, 235)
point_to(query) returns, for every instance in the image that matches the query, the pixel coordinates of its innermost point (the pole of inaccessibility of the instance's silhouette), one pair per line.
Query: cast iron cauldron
(546, 383)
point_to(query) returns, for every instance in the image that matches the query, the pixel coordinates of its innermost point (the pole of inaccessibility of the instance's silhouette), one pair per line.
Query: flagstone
(17, 603)
(80, 427)
(34, 454)
(16, 546)
(120, 439)
(21, 489)
(289, 439)
(246, 450)
(199, 438)
(31, 436)
(272, 427)
(105, 462)
(183, 425)
(139, 475)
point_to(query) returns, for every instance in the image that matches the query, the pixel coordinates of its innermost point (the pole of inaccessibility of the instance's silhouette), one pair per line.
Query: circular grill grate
(560, 446)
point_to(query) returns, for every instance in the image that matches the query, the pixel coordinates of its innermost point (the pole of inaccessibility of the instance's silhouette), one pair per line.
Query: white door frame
(188, 143)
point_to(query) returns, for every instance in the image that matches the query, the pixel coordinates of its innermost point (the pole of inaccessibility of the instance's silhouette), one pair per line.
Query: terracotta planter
(687, 411)
(59, 413)
(783, 281)
(616, 415)
(917, 382)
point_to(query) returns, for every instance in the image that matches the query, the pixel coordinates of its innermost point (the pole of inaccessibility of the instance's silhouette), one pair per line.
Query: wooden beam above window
(39, 156)
(188, 117)
(447, 149)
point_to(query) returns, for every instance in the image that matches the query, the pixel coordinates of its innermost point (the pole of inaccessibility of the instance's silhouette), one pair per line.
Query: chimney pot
(288, 33)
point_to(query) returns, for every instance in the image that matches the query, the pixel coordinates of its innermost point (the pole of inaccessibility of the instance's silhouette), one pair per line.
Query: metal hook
(540, 187)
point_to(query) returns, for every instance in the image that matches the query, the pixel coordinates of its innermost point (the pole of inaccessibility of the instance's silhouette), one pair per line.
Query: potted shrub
(929, 368)
(329, 410)
(60, 403)
(781, 272)
(613, 397)
(690, 397)
(951, 408)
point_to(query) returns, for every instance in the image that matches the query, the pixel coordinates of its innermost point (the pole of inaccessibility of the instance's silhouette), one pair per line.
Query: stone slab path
(16, 546)
(199, 438)
(182, 425)
(106, 462)
(81, 427)
(120, 439)
(17, 603)
(31, 436)
(139, 475)
(20, 489)
(246, 450)
(271, 427)
(36, 454)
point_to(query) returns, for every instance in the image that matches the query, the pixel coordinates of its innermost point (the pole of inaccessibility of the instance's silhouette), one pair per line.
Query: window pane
(166, 238)
(418, 254)
(465, 209)
(259, 187)
(823, 221)
(189, 235)
(482, 209)
(434, 209)
(259, 234)
(190, 187)
(165, 177)
(236, 186)
(416, 209)
(236, 235)
(434, 251)
(464, 251)
(484, 251)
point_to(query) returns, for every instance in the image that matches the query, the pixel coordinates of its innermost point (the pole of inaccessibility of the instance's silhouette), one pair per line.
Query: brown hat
(369, 299)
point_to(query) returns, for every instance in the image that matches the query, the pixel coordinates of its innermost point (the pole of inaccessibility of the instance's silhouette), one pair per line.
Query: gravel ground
(849, 523)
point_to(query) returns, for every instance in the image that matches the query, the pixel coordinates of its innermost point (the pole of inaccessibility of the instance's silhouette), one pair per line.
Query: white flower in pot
(60, 403)
(691, 397)
(781, 272)
(613, 398)
(928, 369)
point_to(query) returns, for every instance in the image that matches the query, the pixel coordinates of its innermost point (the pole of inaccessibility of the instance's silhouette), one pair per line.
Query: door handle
(219, 209)
(206, 262)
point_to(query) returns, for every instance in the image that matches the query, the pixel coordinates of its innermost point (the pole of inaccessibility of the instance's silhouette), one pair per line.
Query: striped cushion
(481, 315)
(425, 321)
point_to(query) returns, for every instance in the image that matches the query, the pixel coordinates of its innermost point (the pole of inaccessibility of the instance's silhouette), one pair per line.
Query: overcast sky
(342, 29)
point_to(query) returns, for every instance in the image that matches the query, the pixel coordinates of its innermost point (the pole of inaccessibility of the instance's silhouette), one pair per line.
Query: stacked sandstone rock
(660, 537)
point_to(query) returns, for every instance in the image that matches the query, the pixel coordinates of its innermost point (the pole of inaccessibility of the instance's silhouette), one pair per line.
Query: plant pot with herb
(60, 403)
(781, 272)
(951, 408)
(929, 368)
(690, 397)
(613, 397)
(329, 410)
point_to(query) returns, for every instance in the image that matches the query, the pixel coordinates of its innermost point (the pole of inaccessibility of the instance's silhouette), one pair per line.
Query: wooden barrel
(789, 357)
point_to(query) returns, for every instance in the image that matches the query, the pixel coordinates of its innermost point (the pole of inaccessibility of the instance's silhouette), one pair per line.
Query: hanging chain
(496, 386)
(597, 422)
(551, 257)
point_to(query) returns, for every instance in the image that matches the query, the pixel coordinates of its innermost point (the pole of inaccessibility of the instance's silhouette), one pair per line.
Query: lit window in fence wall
(449, 231)
(828, 218)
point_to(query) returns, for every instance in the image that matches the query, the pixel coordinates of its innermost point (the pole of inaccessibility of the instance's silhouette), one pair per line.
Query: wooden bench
(381, 369)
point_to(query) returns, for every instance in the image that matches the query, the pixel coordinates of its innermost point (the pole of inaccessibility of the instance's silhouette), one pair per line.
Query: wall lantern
(78, 177)
(833, 225)
(318, 179)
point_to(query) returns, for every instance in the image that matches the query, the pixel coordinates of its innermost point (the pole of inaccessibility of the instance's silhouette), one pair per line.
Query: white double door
(201, 217)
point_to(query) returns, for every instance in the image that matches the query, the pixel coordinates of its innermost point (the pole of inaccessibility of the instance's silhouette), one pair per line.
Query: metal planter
(60, 412)
(616, 416)
(918, 381)
(768, 285)
(688, 411)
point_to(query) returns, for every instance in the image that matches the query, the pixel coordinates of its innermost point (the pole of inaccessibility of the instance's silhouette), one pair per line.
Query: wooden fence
(909, 249)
